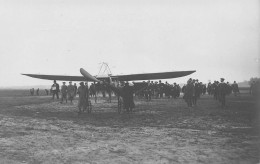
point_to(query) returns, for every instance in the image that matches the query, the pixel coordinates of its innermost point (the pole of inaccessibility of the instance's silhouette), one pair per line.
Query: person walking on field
(71, 91)
(64, 92)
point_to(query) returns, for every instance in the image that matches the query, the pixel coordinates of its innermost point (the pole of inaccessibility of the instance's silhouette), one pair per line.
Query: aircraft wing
(131, 77)
(85, 77)
(57, 77)
(152, 76)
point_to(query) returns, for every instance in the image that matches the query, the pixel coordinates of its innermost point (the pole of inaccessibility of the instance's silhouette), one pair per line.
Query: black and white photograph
(129, 82)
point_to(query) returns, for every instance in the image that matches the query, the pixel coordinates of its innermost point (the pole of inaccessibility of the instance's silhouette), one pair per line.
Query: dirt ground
(35, 129)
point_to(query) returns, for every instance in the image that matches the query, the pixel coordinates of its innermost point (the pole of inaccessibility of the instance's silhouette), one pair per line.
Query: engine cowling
(87, 76)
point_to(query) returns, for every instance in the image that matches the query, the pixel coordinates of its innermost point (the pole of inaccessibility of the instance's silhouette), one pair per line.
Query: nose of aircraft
(87, 76)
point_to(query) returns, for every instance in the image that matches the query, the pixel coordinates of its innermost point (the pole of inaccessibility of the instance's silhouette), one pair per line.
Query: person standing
(55, 89)
(196, 93)
(209, 88)
(37, 92)
(47, 91)
(92, 90)
(215, 90)
(189, 92)
(148, 94)
(71, 91)
(87, 94)
(128, 97)
(222, 90)
(229, 88)
(75, 89)
(161, 89)
(82, 97)
(235, 88)
(87, 89)
(32, 91)
(64, 89)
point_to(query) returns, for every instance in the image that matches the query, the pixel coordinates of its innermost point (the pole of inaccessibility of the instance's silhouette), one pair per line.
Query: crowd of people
(212, 88)
(32, 91)
(149, 90)
(194, 89)
(157, 89)
(69, 92)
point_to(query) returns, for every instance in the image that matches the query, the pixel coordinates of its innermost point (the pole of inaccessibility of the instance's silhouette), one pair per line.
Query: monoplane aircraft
(131, 77)
(110, 79)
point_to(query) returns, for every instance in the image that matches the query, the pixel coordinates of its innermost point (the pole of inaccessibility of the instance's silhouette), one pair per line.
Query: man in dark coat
(32, 91)
(222, 91)
(70, 91)
(64, 91)
(37, 92)
(215, 90)
(161, 89)
(175, 91)
(128, 98)
(235, 88)
(75, 89)
(83, 99)
(196, 93)
(189, 92)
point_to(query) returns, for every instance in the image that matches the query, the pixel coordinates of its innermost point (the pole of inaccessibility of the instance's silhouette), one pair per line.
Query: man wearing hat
(64, 89)
(222, 91)
(128, 97)
(235, 88)
(174, 90)
(82, 97)
(196, 93)
(214, 89)
(161, 89)
(189, 92)
(75, 89)
(71, 91)
(55, 89)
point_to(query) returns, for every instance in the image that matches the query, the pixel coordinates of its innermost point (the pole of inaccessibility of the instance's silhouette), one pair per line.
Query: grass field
(35, 129)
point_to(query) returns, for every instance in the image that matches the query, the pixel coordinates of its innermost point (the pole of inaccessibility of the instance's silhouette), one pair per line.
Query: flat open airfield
(35, 129)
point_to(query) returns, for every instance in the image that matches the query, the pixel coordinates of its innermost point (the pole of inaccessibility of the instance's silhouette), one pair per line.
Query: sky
(58, 37)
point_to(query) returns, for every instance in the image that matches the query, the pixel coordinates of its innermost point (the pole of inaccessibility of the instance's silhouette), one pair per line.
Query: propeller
(87, 76)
